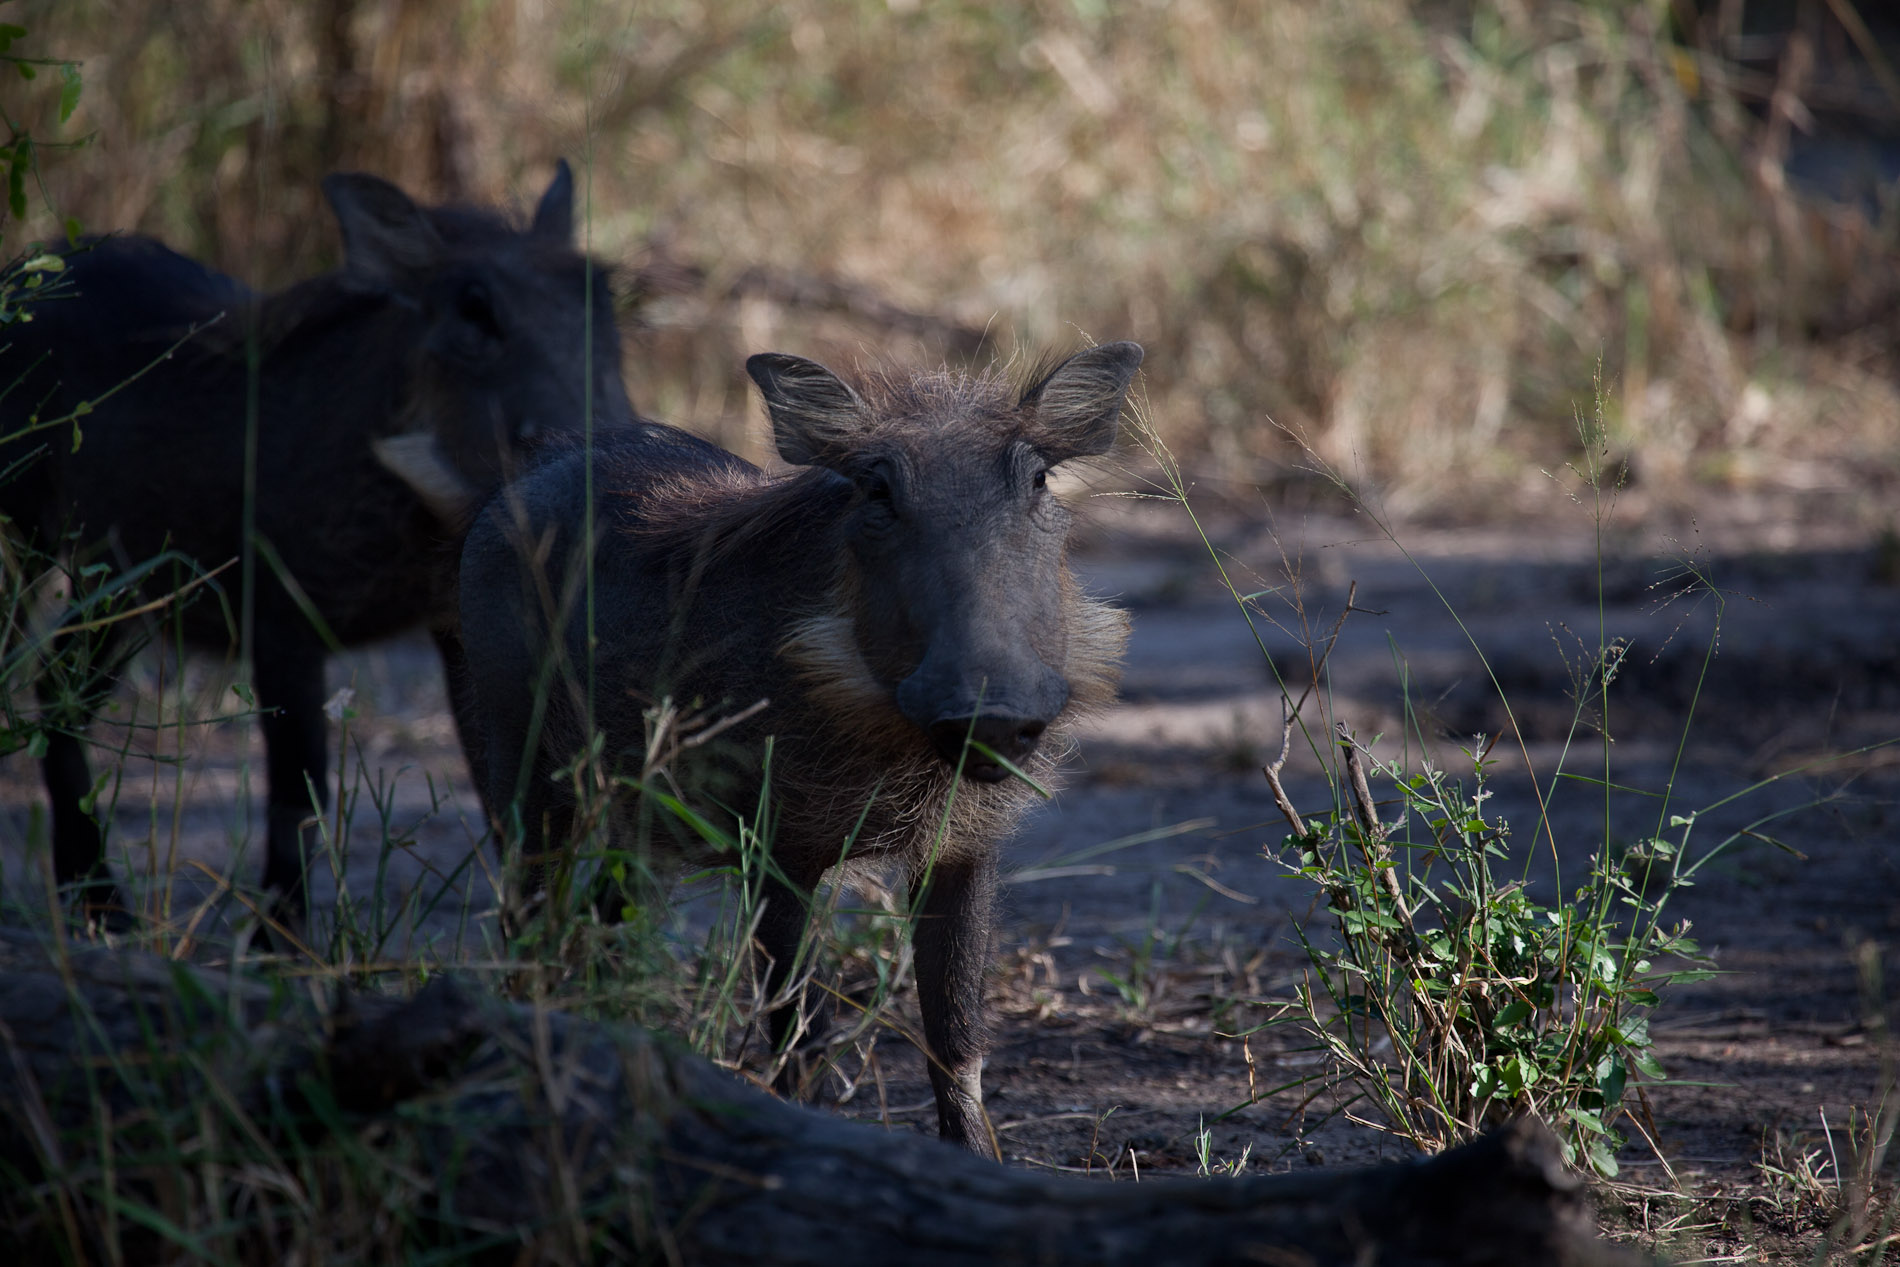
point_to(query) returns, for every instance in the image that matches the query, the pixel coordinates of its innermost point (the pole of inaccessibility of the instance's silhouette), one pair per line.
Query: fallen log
(151, 1111)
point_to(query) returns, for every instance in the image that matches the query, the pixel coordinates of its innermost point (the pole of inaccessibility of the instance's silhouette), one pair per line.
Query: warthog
(447, 333)
(904, 592)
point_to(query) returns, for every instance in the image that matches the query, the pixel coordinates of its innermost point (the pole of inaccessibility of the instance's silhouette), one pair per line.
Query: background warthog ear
(554, 215)
(1078, 404)
(816, 417)
(387, 240)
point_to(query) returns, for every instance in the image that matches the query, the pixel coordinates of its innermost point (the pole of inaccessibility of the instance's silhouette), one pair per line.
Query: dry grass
(1406, 238)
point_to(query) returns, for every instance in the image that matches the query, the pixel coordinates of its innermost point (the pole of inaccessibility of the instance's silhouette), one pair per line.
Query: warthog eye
(879, 511)
(1042, 478)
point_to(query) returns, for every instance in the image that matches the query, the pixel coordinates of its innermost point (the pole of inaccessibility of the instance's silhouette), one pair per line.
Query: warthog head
(956, 589)
(518, 335)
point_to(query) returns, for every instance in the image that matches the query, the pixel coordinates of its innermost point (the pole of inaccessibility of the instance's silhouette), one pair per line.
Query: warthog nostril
(1011, 738)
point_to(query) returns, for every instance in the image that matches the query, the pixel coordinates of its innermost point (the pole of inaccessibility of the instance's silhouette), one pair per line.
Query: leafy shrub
(1452, 998)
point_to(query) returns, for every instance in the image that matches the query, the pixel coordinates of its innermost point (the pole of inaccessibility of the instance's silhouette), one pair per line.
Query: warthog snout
(1012, 738)
(1004, 705)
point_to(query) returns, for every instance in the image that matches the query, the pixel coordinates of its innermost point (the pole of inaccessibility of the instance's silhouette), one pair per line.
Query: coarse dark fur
(450, 340)
(906, 589)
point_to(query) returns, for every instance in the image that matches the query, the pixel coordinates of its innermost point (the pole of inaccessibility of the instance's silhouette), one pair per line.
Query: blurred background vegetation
(1409, 234)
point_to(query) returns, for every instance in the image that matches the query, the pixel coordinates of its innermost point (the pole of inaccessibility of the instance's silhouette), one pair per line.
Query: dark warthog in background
(907, 589)
(448, 335)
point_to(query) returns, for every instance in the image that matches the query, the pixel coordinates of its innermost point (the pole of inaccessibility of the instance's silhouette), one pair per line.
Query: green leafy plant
(1452, 998)
(19, 156)
(33, 274)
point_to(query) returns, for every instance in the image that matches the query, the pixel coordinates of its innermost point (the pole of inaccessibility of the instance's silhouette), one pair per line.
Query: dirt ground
(1119, 973)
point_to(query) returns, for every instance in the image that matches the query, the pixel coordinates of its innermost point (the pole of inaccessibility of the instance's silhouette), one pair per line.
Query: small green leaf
(68, 90)
(36, 746)
(27, 70)
(1587, 1120)
(243, 691)
(1612, 1077)
(89, 803)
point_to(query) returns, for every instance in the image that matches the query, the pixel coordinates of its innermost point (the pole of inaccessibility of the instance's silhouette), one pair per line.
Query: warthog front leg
(79, 857)
(952, 952)
(468, 727)
(780, 932)
(289, 684)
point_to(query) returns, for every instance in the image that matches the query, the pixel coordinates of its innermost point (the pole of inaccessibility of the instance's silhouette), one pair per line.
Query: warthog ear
(387, 240)
(1078, 404)
(554, 215)
(816, 417)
